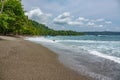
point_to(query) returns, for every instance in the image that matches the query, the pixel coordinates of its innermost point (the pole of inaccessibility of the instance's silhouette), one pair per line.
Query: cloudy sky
(79, 15)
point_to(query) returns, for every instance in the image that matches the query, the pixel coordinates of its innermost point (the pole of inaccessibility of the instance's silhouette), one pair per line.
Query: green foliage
(44, 30)
(4, 23)
(12, 17)
(13, 21)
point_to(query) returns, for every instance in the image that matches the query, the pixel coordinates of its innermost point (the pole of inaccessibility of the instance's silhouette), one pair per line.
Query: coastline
(75, 55)
(24, 60)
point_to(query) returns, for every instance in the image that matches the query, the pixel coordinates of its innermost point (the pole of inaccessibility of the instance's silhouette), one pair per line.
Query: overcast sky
(79, 15)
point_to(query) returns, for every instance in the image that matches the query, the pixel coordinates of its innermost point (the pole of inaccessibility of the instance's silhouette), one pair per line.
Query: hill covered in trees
(44, 30)
(13, 21)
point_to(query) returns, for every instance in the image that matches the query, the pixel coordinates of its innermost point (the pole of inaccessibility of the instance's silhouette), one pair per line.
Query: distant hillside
(102, 33)
(44, 30)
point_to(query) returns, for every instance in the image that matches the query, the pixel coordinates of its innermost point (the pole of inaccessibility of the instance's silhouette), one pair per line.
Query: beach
(24, 60)
(90, 55)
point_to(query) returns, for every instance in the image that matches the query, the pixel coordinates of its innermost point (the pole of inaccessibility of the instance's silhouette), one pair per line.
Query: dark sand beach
(24, 60)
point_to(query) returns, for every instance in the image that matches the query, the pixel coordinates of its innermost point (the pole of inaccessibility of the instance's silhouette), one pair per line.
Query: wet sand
(24, 60)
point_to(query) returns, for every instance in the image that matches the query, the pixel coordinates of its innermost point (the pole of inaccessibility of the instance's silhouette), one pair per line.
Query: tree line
(14, 22)
(44, 30)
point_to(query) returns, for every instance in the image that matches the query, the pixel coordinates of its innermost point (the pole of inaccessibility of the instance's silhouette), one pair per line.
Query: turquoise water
(95, 56)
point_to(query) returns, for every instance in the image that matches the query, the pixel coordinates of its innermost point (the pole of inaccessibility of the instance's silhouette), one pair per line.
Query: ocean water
(94, 56)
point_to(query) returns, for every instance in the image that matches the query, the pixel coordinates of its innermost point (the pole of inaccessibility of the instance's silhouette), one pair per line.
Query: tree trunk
(3, 2)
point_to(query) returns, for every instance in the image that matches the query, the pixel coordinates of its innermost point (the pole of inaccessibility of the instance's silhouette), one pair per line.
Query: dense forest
(14, 22)
(44, 30)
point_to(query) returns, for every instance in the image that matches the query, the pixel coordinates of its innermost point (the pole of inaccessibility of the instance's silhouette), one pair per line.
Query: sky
(77, 15)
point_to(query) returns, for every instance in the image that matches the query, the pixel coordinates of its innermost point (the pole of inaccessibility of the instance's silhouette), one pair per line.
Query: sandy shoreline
(24, 60)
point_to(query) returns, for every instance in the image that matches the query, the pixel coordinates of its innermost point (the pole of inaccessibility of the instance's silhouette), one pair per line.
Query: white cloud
(75, 23)
(97, 20)
(63, 18)
(82, 19)
(67, 19)
(91, 24)
(36, 11)
(65, 15)
(37, 15)
(100, 20)
(108, 22)
(100, 25)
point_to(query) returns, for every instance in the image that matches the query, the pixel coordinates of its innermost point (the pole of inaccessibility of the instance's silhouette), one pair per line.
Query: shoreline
(84, 63)
(25, 60)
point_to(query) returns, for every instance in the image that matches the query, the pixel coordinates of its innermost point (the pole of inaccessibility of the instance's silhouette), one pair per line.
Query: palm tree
(3, 2)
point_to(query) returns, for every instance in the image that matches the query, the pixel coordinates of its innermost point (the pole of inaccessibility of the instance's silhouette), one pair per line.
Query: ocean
(97, 56)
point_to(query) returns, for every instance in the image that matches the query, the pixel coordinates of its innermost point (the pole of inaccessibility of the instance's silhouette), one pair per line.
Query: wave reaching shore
(94, 56)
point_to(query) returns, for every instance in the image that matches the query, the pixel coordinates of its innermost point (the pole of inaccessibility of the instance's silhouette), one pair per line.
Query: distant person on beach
(54, 40)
